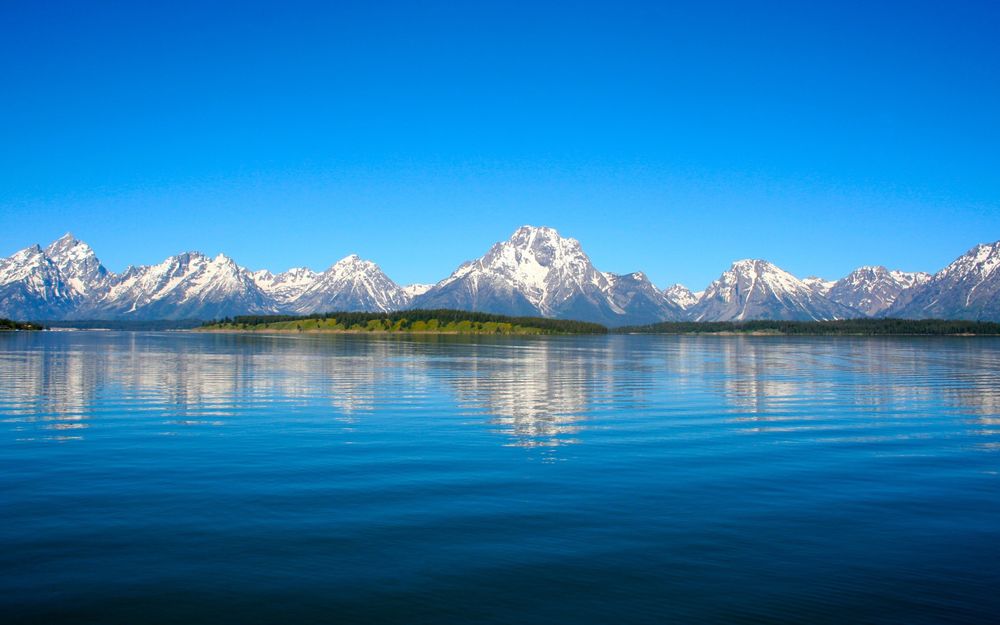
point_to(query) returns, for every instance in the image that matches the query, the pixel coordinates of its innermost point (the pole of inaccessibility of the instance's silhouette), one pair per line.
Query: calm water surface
(185, 478)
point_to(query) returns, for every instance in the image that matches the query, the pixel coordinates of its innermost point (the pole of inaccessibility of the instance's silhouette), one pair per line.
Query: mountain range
(536, 272)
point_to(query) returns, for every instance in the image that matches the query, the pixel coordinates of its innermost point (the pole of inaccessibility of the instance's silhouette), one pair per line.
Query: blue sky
(671, 139)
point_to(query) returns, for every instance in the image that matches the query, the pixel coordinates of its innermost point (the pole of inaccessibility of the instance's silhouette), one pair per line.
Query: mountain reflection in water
(169, 478)
(535, 392)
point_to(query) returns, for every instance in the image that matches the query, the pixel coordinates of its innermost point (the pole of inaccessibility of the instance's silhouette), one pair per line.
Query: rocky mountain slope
(871, 290)
(186, 286)
(351, 284)
(681, 295)
(757, 289)
(536, 272)
(539, 272)
(968, 288)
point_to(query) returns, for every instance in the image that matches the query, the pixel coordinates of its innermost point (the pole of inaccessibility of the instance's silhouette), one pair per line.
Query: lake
(189, 478)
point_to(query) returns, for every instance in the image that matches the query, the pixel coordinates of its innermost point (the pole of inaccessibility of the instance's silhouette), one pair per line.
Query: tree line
(862, 327)
(10, 324)
(439, 320)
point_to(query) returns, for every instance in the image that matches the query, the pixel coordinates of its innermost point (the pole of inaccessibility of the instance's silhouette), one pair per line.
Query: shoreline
(379, 332)
(755, 333)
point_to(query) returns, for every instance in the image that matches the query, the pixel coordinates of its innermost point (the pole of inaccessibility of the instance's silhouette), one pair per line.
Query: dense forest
(856, 327)
(7, 325)
(417, 321)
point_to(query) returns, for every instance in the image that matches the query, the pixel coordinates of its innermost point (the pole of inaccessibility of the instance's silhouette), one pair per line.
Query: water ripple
(177, 477)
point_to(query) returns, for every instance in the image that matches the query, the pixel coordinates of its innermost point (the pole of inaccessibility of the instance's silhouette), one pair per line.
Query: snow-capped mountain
(351, 284)
(51, 283)
(286, 287)
(757, 289)
(535, 272)
(681, 295)
(642, 302)
(871, 290)
(968, 288)
(79, 267)
(413, 290)
(67, 281)
(186, 286)
(32, 287)
(819, 285)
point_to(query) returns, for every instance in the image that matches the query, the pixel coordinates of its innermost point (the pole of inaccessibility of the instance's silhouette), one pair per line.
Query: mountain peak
(413, 290)
(680, 295)
(537, 271)
(351, 283)
(984, 252)
(968, 288)
(528, 230)
(352, 263)
(759, 289)
(541, 237)
(992, 248)
(872, 289)
(753, 264)
(65, 244)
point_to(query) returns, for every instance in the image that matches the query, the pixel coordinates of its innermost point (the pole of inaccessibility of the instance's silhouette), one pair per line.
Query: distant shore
(840, 327)
(454, 322)
(8, 325)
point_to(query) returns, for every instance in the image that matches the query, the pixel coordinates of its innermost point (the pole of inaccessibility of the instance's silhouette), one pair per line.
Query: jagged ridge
(536, 272)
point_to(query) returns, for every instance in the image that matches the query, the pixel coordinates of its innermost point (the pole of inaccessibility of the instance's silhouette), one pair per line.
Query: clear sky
(672, 139)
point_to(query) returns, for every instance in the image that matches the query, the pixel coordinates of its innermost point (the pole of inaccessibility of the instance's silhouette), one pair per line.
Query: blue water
(186, 478)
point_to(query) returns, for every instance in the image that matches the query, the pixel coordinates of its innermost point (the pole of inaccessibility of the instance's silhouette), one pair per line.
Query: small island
(406, 321)
(8, 325)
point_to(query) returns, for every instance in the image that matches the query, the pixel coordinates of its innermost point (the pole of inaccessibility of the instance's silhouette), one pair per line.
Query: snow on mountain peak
(968, 288)
(69, 249)
(680, 295)
(820, 285)
(37, 284)
(528, 232)
(22, 263)
(759, 289)
(765, 272)
(537, 271)
(79, 267)
(871, 289)
(413, 290)
(351, 283)
(538, 262)
(286, 286)
(981, 261)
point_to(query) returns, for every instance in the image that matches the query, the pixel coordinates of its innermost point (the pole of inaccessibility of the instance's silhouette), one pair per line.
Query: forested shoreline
(412, 321)
(8, 325)
(846, 327)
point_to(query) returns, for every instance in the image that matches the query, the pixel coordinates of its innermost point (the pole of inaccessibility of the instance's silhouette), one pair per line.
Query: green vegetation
(414, 321)
(851, 327)
(6, 325)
